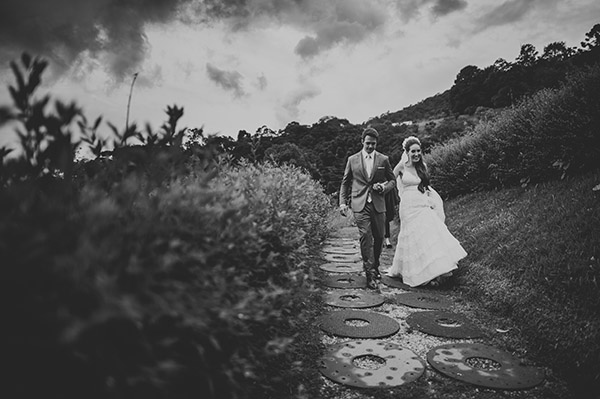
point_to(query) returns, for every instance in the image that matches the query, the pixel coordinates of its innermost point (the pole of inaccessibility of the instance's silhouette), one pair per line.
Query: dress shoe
(372, 283)
(387, 243)
(376, 274)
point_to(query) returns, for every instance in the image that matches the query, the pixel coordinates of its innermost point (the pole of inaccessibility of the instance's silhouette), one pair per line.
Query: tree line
(322, 148)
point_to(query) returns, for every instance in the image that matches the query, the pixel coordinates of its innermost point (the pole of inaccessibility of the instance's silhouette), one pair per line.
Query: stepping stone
(346, 363)
(342, 258)
(337, 267)
(330, 249)
(444, 324)
(484, 366)
(369, 324)
(423, 300)
(343, 242)
(346, 281)
(354, 299)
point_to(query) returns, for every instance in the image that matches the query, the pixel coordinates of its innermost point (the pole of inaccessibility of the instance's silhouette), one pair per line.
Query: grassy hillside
(548, 136)
(534, 258)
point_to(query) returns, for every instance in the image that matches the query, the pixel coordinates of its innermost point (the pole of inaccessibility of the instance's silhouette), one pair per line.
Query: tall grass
(553, 134)
(534, 256)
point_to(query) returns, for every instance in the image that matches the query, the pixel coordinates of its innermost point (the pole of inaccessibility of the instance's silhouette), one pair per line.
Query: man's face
(369, 144)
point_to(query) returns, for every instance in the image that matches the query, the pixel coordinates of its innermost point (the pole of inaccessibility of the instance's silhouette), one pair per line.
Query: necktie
(369, 167)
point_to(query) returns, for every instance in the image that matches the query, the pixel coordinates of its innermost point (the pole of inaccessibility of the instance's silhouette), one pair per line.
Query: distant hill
(435, 107)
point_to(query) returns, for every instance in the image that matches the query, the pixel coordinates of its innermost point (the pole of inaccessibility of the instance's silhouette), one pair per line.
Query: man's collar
(365, 154)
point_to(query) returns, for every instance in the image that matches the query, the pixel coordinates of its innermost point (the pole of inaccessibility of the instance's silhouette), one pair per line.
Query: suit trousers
(371, 226)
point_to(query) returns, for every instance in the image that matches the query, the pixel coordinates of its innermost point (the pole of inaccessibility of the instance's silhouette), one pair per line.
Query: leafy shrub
(193, 288)
(547, 136)
(157, 272)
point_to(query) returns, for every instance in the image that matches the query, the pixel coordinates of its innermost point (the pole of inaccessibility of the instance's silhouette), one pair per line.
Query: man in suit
(367, 177)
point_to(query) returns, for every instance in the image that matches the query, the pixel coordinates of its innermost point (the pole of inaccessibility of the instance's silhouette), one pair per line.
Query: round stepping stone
(330, 249)
(342, 258)
(423, 300)
(444, 324)
(395, 282)
(366, 324)
(346, 281)
(371, 364)
(484, 366)
(354, 299)
(336, 267)
(342, 242)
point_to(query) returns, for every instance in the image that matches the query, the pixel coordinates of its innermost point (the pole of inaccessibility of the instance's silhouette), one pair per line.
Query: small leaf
(97, 122)
(26, 60)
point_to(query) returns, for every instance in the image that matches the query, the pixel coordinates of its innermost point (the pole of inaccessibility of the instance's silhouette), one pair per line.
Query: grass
(534, 259)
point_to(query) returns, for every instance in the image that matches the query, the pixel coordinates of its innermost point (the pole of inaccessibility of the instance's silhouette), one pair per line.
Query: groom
(368, 176)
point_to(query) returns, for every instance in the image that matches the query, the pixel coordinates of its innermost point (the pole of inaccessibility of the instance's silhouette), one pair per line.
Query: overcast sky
(240, 64)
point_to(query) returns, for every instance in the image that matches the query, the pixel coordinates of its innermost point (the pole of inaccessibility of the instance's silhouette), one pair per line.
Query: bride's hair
(420, 166)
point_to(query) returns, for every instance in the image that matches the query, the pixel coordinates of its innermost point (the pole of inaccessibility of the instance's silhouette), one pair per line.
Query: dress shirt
(368, 158)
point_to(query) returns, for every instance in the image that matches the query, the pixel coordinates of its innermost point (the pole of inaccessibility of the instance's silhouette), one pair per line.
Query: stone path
(358, 367)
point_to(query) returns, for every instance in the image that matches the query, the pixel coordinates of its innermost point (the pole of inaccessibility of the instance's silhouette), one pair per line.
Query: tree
(528, 55)
(557, 51)
(592, 38)
(501, 65)
(468, 90)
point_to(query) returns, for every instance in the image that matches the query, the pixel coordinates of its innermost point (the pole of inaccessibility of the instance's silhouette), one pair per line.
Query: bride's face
(414, 153)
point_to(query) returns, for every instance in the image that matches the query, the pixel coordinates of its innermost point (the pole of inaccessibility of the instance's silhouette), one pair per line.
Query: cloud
(261, 82)
(291, 105)
(113, 32)
(410, 9)
(327, 23)
(509, 12)
(228, 80)
(344, 22)
(445, 7)
(65, 30)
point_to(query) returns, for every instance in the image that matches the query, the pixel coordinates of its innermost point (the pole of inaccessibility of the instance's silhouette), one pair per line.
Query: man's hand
(379, 188)
(344, 210)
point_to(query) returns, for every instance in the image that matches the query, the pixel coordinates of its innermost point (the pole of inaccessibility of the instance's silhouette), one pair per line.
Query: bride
(425, 250)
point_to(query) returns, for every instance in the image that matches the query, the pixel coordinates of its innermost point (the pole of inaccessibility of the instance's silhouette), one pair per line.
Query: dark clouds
(63, 30)
(444, 7)
(341, 22)
(112, 31)
(409, 9)
(510, 11)
(228, 80)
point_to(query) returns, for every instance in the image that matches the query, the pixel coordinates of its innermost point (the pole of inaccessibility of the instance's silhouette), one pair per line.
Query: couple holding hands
(425, 251)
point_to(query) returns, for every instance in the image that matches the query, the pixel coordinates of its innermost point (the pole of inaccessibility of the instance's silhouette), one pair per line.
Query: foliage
(551, 135)
(504, 83)
(157, 271)
(534, 258)
(45, 137)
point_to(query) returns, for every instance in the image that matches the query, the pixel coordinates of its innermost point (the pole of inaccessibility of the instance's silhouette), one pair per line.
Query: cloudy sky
(241, 64)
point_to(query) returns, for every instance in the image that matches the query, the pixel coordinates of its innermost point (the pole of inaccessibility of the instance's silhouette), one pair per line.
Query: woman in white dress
(425, 250)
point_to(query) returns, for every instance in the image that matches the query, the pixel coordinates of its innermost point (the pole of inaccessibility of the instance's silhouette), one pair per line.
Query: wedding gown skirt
(425, 248)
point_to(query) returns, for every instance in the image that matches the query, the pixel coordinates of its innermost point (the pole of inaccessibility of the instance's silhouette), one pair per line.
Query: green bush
(195, 288)
(548, 136)
(156, 272)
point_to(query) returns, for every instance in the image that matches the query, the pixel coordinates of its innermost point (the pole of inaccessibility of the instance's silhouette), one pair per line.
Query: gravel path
(432, 384)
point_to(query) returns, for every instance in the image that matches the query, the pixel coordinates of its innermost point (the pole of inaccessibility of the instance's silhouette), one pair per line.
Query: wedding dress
(425, 248)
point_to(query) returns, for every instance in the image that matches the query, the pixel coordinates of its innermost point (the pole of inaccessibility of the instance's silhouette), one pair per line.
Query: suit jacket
(356, 185)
